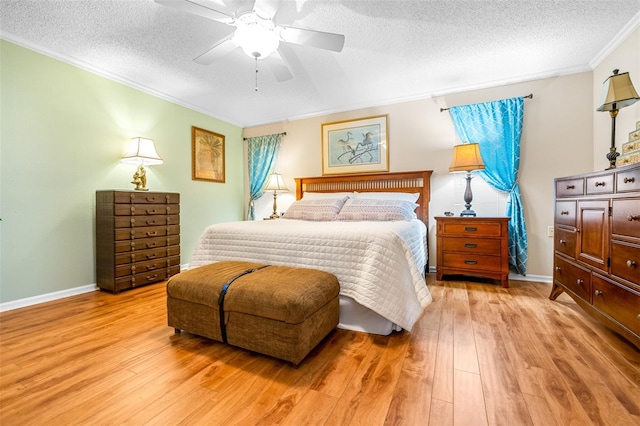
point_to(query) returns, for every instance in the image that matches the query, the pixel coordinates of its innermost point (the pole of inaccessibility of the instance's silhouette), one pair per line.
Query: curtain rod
(529, 96)
(281, 134)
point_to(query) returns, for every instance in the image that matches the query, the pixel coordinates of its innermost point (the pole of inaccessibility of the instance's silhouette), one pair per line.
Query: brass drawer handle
(470, 262)
(151, 199)
(152, 267)
(600, 184)
(559, 269)
(152, 256)
(563, 242)
(152, 233)
(470, 228)
(631, 263)
(152, 277)
(598, 293)
(629, 180)
(571, 187)
(151, 245)
(564, 212)
(151, 223)
(633, 217)
(152, 211)
(580, 282)
(470, 245)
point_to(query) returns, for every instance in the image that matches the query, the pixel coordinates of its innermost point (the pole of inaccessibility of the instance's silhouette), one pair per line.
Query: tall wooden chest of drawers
(477, 246)
(597, 246)
(137, 238)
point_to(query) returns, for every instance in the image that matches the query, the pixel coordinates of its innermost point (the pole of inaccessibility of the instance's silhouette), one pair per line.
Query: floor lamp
(466, 157)
(618, 93)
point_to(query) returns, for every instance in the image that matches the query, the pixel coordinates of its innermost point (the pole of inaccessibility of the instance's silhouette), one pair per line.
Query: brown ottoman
(279, 311)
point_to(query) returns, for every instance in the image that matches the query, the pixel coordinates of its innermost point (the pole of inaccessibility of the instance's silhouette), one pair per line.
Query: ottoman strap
(223, 293)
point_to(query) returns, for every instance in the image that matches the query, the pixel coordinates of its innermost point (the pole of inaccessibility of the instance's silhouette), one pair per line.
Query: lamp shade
(276, 183)
(256, 36)
(141, 151)
(618, 92)
(466, 157)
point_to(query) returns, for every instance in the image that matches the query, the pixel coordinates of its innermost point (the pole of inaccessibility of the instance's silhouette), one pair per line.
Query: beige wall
(556, 141)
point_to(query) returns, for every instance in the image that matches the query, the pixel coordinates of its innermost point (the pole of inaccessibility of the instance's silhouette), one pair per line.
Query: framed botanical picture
(207, 155)
(355, 146)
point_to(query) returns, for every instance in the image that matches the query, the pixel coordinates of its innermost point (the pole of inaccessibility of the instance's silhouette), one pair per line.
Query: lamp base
(467, 212)
(612, 156)
(140, 179)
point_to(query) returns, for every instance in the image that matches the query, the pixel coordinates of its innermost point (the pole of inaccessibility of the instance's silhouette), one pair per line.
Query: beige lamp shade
(618, 92)
(466, 157)
(141, 151)
(276, 183)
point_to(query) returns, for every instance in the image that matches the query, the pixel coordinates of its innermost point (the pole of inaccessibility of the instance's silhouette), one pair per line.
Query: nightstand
(477, 246)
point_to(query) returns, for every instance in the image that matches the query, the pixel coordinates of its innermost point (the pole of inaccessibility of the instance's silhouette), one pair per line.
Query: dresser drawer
(472, 228)
(602, 184)
(628, 181)
(136, 280)
(146, 243)
(566, 213)
(626, 218)
(618, 302)
(145, 209)
(157, 220)
(565, 241)
(146, 197)
(625, 261)
(141, 267)
(471, 262)
(146, 232)
(569, 188)
(144, 255)
(572, 277)
(467, 245)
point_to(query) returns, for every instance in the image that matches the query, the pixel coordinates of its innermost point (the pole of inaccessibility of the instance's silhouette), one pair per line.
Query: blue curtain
(497, 127)
(263, 152)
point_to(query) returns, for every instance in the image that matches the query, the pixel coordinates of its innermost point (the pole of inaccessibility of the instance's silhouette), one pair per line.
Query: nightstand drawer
(470, 229)
(471, 262)
(468, 245)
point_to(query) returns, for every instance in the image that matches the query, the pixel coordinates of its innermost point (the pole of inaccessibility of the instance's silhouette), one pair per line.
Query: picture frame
(355, 146)
(207, 155)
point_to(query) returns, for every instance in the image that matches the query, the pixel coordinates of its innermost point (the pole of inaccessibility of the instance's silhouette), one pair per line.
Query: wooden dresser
(137, 238)
(597, 246)
(476, 246)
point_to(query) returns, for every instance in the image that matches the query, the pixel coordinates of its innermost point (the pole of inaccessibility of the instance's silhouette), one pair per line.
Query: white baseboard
(29, 301)
(517, 277)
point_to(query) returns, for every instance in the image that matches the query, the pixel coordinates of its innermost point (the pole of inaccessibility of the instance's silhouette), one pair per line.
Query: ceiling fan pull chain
(256, 59)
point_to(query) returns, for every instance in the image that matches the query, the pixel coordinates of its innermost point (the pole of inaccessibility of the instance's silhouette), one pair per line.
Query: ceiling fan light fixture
(256, 36)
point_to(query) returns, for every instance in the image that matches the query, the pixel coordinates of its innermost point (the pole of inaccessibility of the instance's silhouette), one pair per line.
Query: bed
(380, 263)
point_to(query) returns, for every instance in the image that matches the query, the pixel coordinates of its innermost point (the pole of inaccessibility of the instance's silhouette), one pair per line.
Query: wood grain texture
(480, 354)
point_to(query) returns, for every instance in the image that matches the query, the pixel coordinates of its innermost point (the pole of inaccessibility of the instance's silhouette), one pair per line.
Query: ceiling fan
(257, 34)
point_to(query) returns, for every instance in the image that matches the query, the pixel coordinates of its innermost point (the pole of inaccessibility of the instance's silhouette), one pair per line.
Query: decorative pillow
(326, 195)
(377, 210)
(315, 209)
(402, 196)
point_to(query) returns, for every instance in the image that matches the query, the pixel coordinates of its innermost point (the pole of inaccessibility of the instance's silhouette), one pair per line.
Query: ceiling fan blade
(220, 49)
(319, 39)
(266, 9)
(197, 9)
(278, 67)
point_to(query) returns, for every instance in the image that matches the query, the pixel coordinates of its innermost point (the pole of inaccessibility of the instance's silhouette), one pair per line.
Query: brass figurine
(140, 179)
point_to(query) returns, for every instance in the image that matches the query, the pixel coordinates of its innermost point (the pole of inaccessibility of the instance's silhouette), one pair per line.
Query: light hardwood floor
(480, 355)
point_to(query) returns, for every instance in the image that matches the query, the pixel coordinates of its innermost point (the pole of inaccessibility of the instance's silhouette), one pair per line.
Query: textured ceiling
(394, 50)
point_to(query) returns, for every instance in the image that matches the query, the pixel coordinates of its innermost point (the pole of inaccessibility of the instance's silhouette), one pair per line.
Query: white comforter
(378, 264)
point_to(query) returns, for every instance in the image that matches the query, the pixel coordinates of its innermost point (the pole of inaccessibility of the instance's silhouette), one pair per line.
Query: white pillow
(315, 209)
(377, 210)
(402, 196)
(325, 195)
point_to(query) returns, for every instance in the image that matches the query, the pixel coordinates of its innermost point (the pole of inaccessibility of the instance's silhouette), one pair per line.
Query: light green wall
(63, 131)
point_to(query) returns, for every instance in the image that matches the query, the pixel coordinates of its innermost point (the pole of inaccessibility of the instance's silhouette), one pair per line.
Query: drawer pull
(470, 245)
(564, 212)
(571, 187)
(600, 184)
(559, 269)
(631, 263)
(151, 223)
(151, 199)
(580, 282)
(629, 180)
(470, 228)
(633, 217)
(152, 233)
(598, 293)
(151, 245)
(152, 267)
(152, 211)
(563, 242)
(152, 277)
(152, 256)
(470, 262)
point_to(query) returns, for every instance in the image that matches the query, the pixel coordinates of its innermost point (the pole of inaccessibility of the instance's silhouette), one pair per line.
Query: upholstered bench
(279, 311)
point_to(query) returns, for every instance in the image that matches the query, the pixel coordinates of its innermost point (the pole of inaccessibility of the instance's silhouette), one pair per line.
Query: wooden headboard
(378, 182)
